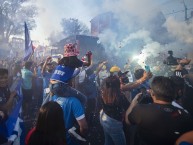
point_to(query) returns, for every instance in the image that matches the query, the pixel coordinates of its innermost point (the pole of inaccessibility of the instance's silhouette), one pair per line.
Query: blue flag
(13, 116)
(28, 44)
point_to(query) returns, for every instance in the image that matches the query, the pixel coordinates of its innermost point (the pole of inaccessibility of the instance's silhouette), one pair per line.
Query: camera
(170, 60)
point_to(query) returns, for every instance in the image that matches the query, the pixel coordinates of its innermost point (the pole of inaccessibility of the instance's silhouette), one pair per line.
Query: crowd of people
(82, 102)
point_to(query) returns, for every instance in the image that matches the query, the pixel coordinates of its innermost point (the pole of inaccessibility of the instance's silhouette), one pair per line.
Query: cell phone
(147, 68)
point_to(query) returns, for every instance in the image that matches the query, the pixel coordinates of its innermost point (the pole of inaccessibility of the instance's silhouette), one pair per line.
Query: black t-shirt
(117, 109)
(71, 61)
(180, 73)
(160, 124)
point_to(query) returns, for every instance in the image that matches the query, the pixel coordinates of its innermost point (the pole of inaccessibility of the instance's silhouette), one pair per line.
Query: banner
(13, 116)
(28, 44)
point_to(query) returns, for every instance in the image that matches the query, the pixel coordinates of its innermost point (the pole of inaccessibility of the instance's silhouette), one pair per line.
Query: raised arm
(89, 58)
(130, 86)
(45, 63)
(100, 66)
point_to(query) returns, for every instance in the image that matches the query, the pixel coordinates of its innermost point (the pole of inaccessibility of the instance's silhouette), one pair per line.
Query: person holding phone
(139, 75)
(147, 68)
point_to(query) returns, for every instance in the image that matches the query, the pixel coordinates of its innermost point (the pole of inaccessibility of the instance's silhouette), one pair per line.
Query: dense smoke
(143, 28)
(182, 31)
(51, 13)
(138, 31)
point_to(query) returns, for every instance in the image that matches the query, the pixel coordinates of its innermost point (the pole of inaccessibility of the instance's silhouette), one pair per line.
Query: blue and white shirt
(73, 111)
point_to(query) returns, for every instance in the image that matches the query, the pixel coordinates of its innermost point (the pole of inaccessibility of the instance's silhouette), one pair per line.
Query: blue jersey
(73, 110)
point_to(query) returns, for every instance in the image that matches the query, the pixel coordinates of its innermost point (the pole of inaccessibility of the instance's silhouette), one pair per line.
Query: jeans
(113, 130)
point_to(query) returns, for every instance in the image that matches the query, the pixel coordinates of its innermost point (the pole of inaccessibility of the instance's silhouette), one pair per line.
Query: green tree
(73, 26)
(13, 13)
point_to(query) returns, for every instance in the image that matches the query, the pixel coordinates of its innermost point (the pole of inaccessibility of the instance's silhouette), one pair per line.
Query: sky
(52, 11)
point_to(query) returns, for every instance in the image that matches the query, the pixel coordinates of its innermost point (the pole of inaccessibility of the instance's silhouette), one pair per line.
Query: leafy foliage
(73, 26)
(13, 13)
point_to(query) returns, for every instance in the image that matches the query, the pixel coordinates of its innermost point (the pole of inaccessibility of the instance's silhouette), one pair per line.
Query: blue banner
(28, 44)
(11, 122)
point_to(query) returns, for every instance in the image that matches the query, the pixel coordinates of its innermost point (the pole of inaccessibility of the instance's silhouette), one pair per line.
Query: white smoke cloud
(181, 30)
(51, 12)
(124, 9)
(132, 16)
(109, 39)
(151, 48)
(141, 34)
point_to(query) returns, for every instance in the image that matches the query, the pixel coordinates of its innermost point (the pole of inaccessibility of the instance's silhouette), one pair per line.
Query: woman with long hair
(114, 105)
(50, 128)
